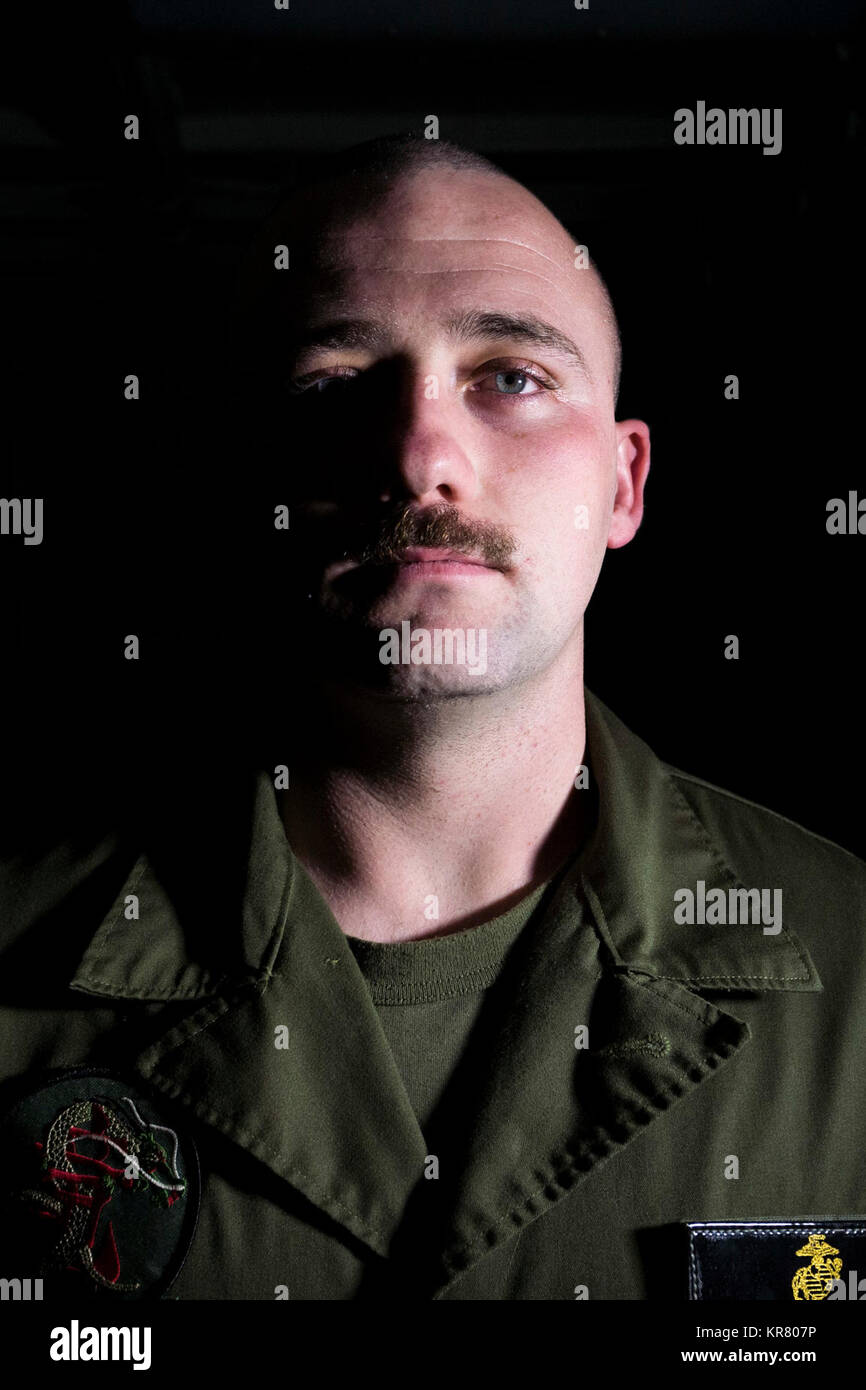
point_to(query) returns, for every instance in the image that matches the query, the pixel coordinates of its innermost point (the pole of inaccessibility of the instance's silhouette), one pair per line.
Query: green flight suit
(567, 1167)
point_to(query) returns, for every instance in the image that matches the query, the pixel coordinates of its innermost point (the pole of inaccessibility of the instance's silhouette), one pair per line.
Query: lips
(420, 555)
(414, 562)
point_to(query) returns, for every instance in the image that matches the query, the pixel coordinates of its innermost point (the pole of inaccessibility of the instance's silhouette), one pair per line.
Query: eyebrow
(345, 333)
(523, 327)
(472, 325)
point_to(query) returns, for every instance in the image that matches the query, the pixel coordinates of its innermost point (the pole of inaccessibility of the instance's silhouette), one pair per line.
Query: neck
(418, 819)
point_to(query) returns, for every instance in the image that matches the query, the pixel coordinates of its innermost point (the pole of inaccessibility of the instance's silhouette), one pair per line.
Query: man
(508, 1009)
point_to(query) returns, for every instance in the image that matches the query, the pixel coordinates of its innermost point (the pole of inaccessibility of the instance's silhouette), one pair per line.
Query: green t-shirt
(429, 993)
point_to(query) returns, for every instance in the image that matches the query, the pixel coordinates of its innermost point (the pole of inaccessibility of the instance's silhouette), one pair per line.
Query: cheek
(558, 492)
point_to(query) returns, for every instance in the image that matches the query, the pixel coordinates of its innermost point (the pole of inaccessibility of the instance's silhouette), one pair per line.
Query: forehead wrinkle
(499, 266)
(433, 241)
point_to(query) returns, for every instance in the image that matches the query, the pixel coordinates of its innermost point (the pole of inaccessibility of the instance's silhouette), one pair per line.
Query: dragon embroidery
(92, 1150)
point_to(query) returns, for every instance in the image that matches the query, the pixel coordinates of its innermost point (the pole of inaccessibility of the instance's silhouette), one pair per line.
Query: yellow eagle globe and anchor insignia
(815, 1279)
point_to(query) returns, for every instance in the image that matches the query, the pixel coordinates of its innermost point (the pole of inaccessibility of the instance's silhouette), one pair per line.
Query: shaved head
(355, 183)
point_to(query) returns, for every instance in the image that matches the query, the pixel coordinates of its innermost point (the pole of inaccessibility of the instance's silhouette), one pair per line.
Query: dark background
(119, 257)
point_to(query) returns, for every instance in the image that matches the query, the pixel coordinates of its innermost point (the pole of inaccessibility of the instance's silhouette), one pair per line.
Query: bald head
(383, 182)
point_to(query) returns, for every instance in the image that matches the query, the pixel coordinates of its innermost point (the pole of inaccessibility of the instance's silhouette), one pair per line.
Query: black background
(119, 257)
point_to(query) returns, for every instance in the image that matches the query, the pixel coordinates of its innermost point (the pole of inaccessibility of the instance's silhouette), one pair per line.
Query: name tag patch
(799, 1261)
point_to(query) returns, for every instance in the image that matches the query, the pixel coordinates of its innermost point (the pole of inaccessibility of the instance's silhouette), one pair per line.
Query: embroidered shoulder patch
(783, 1260)
(99, 1191)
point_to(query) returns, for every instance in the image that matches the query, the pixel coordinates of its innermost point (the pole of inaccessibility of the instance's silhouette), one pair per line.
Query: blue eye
(511, 383)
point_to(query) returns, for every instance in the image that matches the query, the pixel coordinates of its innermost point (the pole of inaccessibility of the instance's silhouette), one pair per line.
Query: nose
(429, 455)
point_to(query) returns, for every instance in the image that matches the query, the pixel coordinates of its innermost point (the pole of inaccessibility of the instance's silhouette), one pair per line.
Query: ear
(632, 466)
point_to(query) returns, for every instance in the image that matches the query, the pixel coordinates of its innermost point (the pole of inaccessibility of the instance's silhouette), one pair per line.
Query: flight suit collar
(172, 931)
(648, 845)
(282, 1051)
(620, 1013)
